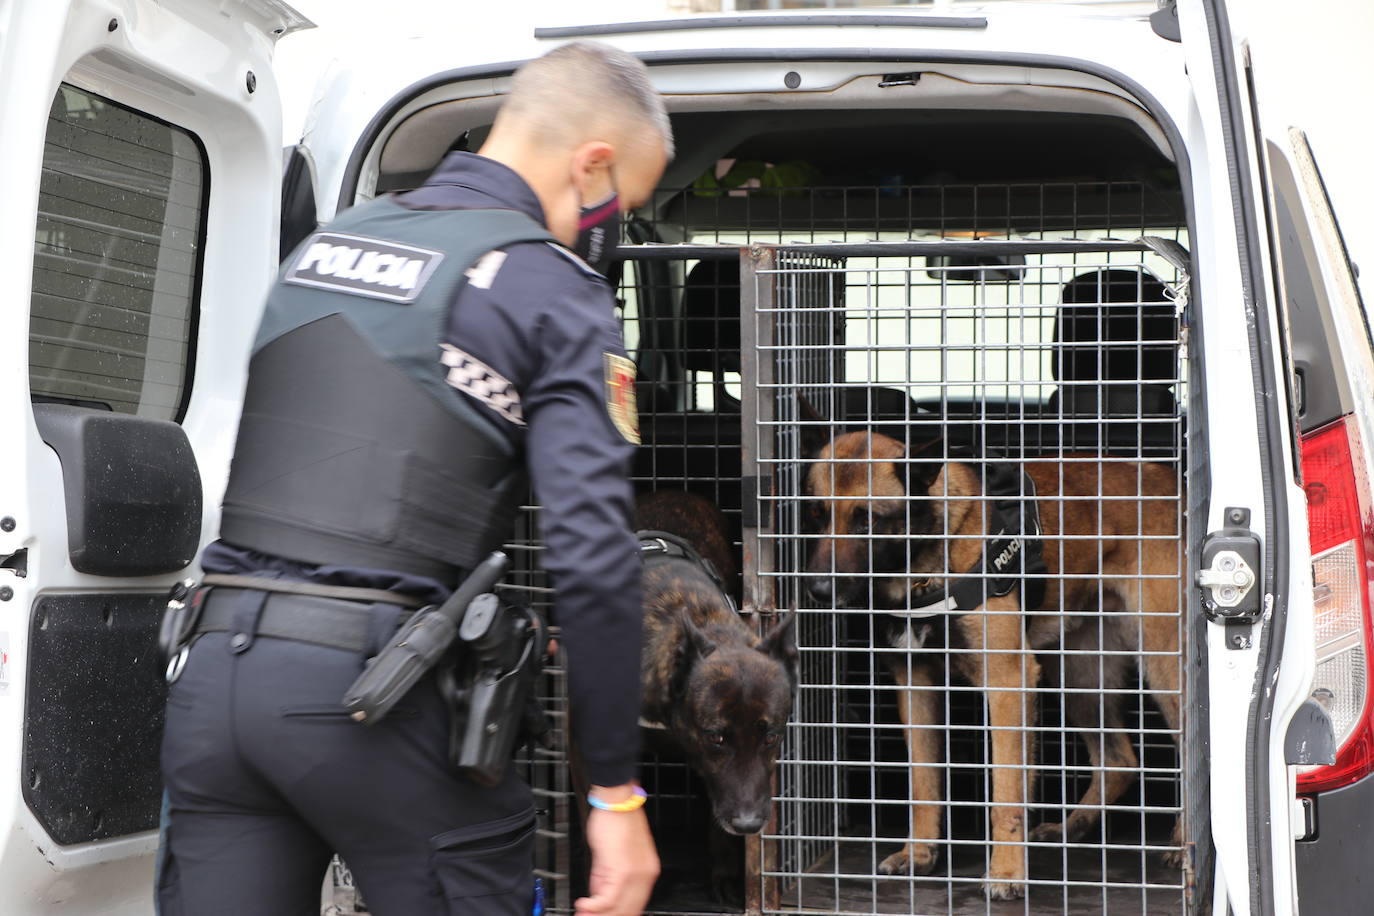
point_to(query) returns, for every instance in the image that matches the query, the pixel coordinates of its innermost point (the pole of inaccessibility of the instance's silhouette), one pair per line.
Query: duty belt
(1012, 556)
(313, 589)
(339, 617)
(336, 624)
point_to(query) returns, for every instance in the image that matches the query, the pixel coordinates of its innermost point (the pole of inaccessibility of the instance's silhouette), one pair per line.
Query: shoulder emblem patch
(620, 396)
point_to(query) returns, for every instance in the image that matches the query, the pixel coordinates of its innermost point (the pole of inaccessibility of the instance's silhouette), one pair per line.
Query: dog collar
(942, 604)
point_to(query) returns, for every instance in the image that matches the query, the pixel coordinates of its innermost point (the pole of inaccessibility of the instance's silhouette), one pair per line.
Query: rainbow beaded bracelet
(633, 803)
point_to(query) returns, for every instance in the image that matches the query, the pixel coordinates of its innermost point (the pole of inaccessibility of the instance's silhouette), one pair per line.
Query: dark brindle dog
(1112, 547)
(722, 694)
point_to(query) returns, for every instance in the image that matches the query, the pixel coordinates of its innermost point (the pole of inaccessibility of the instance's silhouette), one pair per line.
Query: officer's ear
(591, 164)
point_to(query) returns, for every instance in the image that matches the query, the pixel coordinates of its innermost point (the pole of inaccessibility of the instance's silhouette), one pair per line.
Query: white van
(1026, 233)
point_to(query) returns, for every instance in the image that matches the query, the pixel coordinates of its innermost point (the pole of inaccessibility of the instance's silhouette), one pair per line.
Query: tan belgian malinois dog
(1111, 541)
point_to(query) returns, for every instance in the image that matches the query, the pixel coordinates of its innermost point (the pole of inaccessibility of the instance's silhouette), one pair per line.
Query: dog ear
(815, 429)
(922, 466)
(676, 669)
(781, 643)
(699, 642)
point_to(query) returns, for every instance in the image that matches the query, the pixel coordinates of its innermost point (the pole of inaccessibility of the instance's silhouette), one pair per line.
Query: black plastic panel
(93, 716)
(298, 216)
(1333, 867)
(132, 488)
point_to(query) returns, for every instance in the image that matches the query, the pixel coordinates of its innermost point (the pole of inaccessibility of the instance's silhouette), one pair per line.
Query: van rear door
(140, 169)
(1259, 662)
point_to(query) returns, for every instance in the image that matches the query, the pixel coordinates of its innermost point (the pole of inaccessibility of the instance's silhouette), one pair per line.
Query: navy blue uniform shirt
(536, 339)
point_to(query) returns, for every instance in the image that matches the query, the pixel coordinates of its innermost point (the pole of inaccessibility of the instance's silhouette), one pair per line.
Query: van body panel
(179, 70)
(759, 60)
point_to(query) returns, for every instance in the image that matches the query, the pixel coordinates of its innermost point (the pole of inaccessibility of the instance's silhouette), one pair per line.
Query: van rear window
(117, 256)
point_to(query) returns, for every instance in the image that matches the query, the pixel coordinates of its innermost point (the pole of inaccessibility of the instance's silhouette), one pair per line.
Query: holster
(488, 685)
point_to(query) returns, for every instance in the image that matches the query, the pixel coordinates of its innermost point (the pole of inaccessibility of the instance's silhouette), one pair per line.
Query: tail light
(1341, 530)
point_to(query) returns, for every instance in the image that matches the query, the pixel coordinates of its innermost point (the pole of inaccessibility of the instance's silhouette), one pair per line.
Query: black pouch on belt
(490, 686)
(178, 626)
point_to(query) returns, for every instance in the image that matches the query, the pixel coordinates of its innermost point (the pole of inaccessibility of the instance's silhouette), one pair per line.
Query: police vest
(353, 450)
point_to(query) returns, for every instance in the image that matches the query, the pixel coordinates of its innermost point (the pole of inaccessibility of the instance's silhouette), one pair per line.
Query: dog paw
(1048, 832)
(913, 859)
(998, 888)
(1173, 858)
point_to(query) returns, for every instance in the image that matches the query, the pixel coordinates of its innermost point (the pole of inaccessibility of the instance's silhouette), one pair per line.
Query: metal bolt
(1242, 578)
(792, 80)
(7, 523)
(1227, 563)
(1237, 516)
(6, 593)
(252, 82)
(1227, 593)
(239, 641)
(1239, 641)
(492, 728)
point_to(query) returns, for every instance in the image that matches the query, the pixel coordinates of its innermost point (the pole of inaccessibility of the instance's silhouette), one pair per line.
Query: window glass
(116, 258)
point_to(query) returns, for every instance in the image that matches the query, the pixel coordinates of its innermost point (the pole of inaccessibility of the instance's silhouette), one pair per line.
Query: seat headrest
(1105, 328)
(710, 316)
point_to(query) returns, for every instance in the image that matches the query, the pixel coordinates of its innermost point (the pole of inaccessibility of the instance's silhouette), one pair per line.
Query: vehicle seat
(711, 325)
(1116, 359)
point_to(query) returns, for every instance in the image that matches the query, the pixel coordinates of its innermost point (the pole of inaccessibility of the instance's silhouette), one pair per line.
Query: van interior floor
(1101, 881)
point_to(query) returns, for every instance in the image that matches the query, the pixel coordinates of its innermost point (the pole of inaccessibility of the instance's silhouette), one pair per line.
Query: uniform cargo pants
(268, 777)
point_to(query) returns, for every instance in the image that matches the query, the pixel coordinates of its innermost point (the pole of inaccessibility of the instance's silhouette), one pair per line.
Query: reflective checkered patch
(620, 396)
(475, 378)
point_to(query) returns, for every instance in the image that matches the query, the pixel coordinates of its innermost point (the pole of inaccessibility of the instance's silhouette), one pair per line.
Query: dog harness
(1011, 557)
(660, 545)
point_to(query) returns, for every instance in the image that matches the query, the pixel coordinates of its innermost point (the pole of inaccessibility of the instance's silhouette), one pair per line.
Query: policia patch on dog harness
(620, 397)
(363, 266)
(1012, 556)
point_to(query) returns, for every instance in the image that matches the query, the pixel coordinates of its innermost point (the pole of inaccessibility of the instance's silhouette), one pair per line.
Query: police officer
(415, 358)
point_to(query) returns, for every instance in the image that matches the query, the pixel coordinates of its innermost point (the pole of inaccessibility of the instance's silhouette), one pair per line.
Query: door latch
(1230, 576)
(1229, 579)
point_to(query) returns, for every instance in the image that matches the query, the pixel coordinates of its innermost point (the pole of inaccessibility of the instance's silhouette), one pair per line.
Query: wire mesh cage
(928, 416)
(995, 325)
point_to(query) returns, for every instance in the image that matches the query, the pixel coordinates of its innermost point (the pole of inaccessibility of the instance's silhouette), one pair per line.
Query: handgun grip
(496, 710)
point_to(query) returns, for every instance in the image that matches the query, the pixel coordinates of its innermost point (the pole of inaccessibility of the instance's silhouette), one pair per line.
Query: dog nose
(822, 588)
(747, 823)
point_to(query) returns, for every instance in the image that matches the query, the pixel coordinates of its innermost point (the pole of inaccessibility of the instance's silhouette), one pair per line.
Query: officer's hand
(624, 863)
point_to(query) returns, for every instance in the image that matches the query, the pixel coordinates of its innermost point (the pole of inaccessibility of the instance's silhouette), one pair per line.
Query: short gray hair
(588, 85)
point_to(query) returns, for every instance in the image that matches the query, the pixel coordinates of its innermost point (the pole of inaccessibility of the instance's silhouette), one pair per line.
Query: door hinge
(1230, 577)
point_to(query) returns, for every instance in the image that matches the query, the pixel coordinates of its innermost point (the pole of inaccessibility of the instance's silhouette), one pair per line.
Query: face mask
(598, 233)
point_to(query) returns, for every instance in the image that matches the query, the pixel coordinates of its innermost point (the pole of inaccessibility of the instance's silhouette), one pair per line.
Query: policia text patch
(363, 266)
